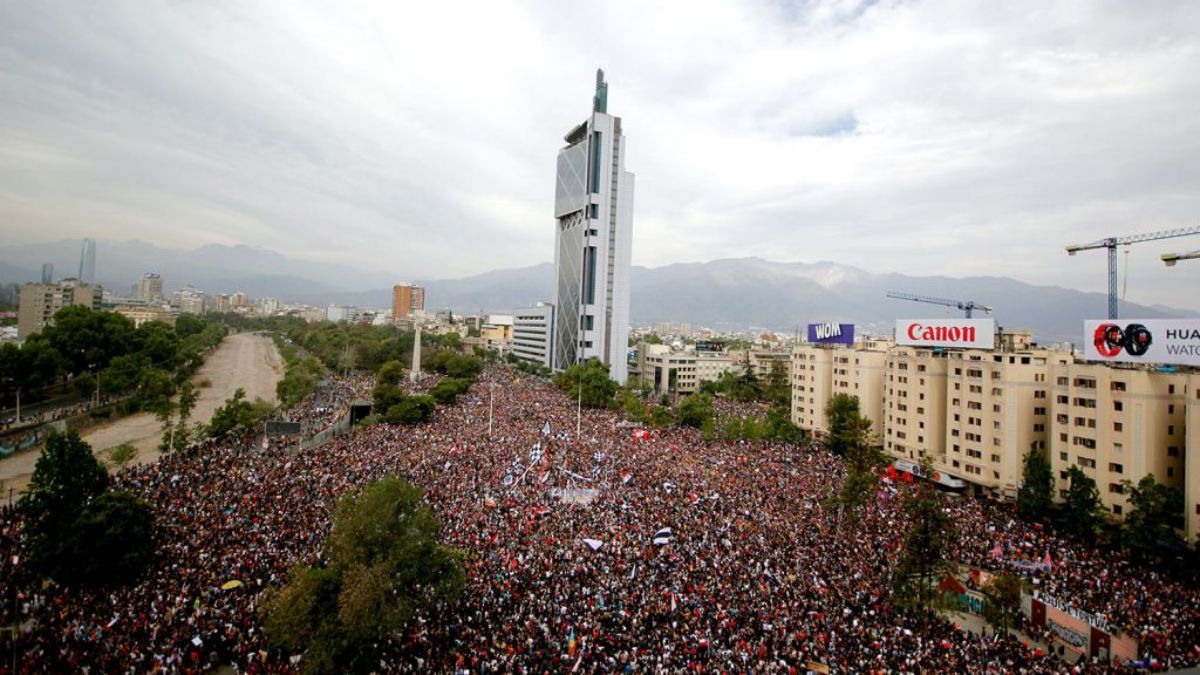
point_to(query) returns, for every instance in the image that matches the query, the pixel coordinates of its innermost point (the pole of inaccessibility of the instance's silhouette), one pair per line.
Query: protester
(700, 556)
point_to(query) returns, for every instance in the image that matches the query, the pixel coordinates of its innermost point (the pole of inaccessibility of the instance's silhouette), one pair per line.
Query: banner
(1168, 341)
(962, 333)
(831, 333)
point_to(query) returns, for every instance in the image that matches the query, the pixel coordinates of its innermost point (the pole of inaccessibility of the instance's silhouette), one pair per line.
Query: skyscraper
(593, 242)
(47, 273)
(87, 262)
(407, 298)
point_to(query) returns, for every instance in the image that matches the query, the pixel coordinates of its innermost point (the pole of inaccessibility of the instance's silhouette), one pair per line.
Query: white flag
(593, 544)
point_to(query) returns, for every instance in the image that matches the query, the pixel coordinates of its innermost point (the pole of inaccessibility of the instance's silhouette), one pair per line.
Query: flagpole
(491, 398)
(579, 409)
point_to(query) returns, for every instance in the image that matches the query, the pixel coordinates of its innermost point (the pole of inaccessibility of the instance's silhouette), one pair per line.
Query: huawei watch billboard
(1174, 341)
(961, 333)
(831, 333)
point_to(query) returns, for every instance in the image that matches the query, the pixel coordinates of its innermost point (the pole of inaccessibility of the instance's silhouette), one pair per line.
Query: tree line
(86, 351)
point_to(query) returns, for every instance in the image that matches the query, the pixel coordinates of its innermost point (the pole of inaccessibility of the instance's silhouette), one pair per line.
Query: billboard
(277, 428)
(831, 333)
(1175, 341)
(710, 346)
(962, 333)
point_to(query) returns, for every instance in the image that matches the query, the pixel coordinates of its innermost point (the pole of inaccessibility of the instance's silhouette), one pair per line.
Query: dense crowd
(719, 556)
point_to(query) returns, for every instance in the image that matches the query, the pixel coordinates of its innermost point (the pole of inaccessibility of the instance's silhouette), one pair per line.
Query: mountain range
(728, 294)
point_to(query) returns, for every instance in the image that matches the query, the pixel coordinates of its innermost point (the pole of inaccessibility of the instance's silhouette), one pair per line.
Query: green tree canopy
(590, 377)
(1036, 495)
(110, 542)
(384, 564)
(694, 410)
(80, 533)
(923, 555)
(1081, 510)
(842, 415)
(1154, 510)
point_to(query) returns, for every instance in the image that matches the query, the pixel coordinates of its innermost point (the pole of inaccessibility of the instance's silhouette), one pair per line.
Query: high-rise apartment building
(40, 302)
(188, 300)
(593, 208)
(150, 288)
(975, 413)
(87, 262)
(1117, 424)
(406, 299)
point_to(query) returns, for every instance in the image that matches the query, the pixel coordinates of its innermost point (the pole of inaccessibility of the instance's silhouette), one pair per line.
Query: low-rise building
(141, 314)
(533, 334)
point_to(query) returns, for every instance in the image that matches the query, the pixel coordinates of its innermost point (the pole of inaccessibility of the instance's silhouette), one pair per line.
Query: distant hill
(728, 294)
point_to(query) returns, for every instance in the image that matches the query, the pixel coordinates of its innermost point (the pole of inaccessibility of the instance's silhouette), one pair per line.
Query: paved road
(243, 360)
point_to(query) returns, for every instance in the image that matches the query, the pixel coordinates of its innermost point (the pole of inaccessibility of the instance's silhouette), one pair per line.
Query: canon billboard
(1173, 341)
(831, 333)
(961, 333)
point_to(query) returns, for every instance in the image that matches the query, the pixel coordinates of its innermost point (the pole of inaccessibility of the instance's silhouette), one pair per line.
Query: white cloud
(941, 137)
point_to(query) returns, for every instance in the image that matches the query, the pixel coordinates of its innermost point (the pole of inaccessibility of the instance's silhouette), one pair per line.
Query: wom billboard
(1174, 341)
(831, 333)
(962, 333)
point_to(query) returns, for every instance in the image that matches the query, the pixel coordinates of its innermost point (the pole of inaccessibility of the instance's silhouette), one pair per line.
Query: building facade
(406, 299)
(39, 303)
(593, 209)
(976, 413)
(150, 288)
(533, 334)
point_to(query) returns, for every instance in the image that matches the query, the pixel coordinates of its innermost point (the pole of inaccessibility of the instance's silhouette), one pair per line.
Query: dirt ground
(243, 360)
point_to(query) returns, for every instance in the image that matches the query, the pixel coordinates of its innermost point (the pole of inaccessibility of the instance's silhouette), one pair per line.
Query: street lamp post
(491, 400)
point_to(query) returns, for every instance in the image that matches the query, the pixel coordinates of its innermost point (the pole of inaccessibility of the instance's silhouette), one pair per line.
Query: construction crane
(1171, 258)
(1111, 244)
(968, 306)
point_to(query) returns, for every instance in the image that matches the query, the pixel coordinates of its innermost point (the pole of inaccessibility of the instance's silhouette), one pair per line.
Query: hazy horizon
(947, 138)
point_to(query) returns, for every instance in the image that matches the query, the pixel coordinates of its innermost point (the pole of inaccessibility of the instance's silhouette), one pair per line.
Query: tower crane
(1171, 258)
(968, 306)
(1111, 244)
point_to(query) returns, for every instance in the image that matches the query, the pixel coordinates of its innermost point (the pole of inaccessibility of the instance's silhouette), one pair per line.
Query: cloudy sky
(946, 137)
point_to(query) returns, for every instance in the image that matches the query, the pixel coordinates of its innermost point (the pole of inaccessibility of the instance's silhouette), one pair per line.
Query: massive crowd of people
(612, 551)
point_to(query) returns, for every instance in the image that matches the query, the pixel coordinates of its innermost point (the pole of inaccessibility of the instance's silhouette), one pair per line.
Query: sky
(944, 137)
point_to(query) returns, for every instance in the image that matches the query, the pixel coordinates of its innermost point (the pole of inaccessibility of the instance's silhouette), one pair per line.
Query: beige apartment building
(976, 413)
(1118, 423)
(820, 371)
(139, 314)
(1191, 461)
(812, 386)
(40, 302)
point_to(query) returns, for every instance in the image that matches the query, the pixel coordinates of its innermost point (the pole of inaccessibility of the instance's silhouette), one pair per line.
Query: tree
(1037, 488)
(863, 462)
(1154, 509)
(237, 414)
(590, 377)
(1081, 511)
(1003, 594)
(384, 564)
(778, 391)
(694, 410)
(411, 410)
(841, 414)
(65, 477)
(929, 537)
(122, 455)
(110, 542)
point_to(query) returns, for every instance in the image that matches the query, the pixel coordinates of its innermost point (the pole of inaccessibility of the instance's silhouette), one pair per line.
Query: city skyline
(947, 137)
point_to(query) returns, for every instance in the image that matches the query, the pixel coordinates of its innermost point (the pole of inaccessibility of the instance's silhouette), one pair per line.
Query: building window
(1118, 406)
(1117, 509)
(1116, 468)
(1173, 451)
